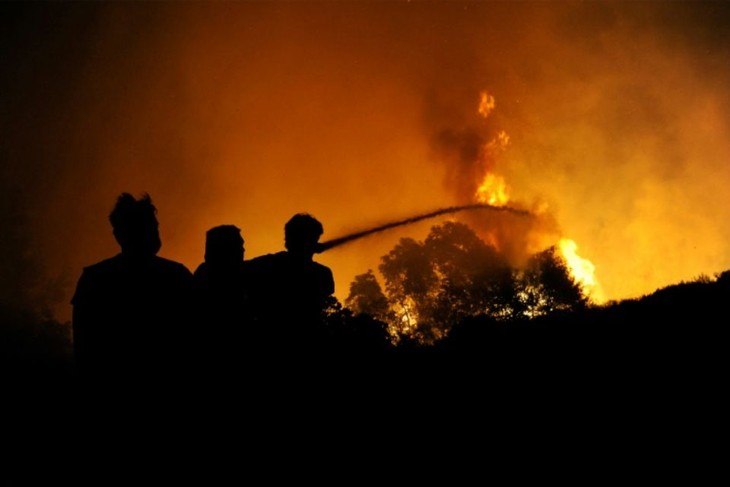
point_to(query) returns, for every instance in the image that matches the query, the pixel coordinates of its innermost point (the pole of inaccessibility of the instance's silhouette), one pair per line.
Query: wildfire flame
(486, 104)
(493, 190)
(582, 270)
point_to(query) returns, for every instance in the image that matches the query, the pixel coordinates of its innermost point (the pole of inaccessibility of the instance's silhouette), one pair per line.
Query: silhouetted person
(289, 291)
(221, 300)
(131, 311)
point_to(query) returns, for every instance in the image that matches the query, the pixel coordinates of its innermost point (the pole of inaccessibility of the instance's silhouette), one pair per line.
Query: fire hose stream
(329, 244)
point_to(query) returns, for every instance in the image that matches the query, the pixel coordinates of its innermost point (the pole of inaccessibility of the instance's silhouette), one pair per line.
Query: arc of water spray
(443, 211)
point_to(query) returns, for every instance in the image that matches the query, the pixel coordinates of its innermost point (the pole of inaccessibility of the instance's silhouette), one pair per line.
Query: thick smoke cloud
(248, 112)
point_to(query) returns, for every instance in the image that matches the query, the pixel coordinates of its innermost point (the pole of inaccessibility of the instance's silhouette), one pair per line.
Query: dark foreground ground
(633, 390)
(675, 338)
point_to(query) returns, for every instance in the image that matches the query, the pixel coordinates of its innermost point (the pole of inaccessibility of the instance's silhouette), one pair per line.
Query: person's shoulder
(268, 257)
(172, 266)
(265, 260)
(201, 270)
(95, 274)
(103, 266)
(324, 275)
(322, 268)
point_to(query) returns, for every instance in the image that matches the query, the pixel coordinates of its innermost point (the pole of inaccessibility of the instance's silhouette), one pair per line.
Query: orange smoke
(364, 112)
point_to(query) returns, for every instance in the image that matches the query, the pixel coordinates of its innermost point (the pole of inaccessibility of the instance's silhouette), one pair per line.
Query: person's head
(301, 234)
(135, 225)
(224, 245)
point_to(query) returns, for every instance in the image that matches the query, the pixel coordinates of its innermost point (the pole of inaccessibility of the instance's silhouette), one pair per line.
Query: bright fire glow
(360, 112)
(493, 190)
(582, 270)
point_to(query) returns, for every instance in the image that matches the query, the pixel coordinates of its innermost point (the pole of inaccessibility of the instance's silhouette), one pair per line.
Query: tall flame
(493, 190)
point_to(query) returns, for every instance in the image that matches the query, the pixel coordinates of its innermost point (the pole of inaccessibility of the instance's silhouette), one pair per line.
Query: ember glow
(608, 120)
(486, 104)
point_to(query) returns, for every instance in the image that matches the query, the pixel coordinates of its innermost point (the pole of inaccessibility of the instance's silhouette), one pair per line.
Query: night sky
(610, 120)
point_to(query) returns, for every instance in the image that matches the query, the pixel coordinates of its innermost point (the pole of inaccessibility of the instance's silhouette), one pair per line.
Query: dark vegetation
(484, 324)
(453, 310)
(34, 346)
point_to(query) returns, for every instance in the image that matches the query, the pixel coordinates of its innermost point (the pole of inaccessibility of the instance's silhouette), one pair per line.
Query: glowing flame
(486, 104)
(493, 190)
(582, 270)
(499, 143)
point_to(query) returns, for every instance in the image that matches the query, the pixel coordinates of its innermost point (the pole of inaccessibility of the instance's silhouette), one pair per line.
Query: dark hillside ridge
(677, 333)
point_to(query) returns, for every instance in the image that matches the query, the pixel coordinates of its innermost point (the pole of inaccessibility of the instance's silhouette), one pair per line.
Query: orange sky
(248, 112)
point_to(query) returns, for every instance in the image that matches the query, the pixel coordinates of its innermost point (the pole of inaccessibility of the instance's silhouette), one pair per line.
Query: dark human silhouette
(131, 312)
(290, 291)
(221, 297)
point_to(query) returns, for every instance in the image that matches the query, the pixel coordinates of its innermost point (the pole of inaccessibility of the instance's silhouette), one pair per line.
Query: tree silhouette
(474, 278)
(411, 283)
(547, 285)
(367, 297)
(452, 275)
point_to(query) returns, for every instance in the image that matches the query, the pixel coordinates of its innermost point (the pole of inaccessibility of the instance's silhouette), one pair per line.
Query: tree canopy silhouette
(431, 285)
(367, 297)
